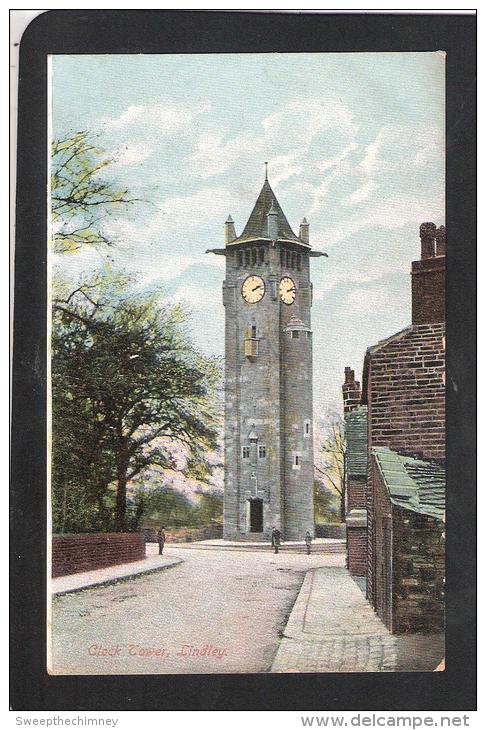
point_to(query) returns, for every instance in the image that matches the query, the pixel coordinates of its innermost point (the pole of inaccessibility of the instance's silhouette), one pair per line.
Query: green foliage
(126, 381)
(331, 461)
(326, 503)
(81, 193)
(164, 506)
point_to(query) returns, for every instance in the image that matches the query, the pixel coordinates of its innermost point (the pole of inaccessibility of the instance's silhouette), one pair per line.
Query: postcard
(247, 363)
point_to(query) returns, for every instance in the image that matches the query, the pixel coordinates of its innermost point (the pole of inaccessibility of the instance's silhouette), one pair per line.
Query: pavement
(114, 573)
(225, 611)
(214, 612)
(333, 628)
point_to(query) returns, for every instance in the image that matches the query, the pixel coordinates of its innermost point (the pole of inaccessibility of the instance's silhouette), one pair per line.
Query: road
(218, 611)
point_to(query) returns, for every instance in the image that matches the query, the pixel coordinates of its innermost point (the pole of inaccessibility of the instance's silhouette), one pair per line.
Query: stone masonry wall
(77, 553)
(418, 572)
(406, 393)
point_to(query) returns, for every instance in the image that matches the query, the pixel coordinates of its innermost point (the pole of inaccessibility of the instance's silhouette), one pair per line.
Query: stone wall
(408, 591)
(418, 572)
(81, 552)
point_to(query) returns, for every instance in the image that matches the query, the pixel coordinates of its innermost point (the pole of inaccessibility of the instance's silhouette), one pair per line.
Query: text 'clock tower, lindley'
(268, 437)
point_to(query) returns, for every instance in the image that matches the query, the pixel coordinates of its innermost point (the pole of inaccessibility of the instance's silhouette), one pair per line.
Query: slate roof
(356, 432)
(257, 226)
(411, 483)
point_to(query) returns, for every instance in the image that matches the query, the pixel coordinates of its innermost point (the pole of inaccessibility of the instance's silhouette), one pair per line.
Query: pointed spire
(257, 224)
(266, 171)
(272, 222)
(229, 230)
(304, 231)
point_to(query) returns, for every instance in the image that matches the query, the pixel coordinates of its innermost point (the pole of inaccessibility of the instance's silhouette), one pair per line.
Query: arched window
(262, 255)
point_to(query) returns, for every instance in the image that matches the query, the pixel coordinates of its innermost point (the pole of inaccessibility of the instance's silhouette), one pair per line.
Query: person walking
(276, 537)
(161, 539)
(308, 541)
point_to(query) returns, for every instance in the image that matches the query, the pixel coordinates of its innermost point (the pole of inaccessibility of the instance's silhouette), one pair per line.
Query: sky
(354, 142)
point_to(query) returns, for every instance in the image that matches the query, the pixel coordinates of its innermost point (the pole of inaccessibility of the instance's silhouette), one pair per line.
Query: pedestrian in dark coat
(308, 541)
(161, 539)
(276, 537)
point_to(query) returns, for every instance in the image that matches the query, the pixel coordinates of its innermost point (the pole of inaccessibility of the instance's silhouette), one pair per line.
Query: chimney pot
(428, 277)
(427, 237)
(440, 241)
(351, 391)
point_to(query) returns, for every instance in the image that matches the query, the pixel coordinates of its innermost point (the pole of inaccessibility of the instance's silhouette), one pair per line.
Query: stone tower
(267, 295)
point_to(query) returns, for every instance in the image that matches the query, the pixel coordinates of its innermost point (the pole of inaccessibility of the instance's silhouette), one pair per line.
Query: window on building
(307, 428)
(262, 452)
(240, 258)
(247, 257)
(245, 452)
(253, 256)
(294, 259)
(295, 334)
(253, 330)
(296, 461)
(282, 257)
(287, 256)
(262, 255)
(299, 262)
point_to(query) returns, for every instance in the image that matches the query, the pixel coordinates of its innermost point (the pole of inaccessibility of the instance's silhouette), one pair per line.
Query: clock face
(287, 290)
(253, 289)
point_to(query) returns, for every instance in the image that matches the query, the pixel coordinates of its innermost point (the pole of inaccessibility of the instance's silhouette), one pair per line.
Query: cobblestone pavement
(215, 612)
(332, 628)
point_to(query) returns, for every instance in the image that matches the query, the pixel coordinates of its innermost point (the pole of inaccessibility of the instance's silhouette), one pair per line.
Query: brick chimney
(351, 391)
(428, 277)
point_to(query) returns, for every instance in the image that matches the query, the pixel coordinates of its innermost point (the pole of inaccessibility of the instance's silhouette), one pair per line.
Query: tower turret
(229, 230)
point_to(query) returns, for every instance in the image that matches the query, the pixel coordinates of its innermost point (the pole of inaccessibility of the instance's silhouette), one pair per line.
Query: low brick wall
(186, 534)
(90, 551)
(335, 532)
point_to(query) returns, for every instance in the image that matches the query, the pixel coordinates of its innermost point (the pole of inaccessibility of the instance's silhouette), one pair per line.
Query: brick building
(404, 392)
(355, 470)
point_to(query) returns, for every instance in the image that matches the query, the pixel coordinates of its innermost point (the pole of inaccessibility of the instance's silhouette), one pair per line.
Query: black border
(132, 31)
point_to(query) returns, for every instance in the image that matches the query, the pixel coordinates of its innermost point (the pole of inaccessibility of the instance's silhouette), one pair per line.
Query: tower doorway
(256, 515)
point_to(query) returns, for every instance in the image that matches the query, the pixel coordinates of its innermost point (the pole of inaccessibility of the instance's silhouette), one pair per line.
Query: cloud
(166, 119)
(360, 194)
(132, 153)
(284, 139)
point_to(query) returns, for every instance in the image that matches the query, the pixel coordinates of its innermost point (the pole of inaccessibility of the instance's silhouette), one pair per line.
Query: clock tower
(268, 437)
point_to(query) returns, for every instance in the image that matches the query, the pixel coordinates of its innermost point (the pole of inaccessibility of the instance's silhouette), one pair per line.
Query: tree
(81, 193)
(126, 382)
(326, 502)
(332, 464)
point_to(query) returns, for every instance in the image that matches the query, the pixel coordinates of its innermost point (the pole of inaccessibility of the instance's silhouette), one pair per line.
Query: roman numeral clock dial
(287, 290)
(253, 289)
